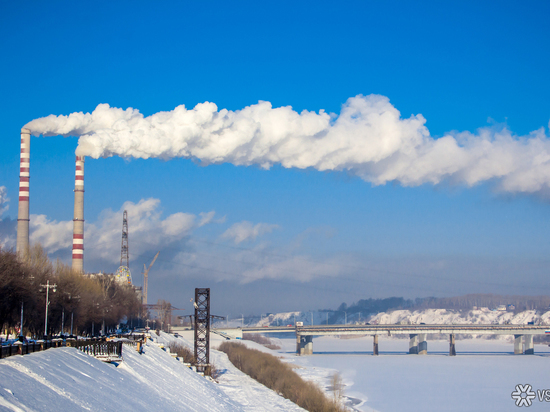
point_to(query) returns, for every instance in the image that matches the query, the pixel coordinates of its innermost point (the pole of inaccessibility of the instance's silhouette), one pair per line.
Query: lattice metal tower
(123, 273)
(124, 258)
(202, 328)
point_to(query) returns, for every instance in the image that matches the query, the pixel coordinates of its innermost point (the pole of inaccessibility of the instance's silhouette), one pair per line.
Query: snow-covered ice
(480, 378)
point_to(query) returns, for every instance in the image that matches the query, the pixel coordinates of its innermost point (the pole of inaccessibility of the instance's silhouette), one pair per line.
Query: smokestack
(22, 245)
(78, 221)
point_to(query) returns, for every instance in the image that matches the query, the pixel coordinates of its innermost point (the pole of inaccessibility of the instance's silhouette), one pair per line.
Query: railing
(99, 349)
(19, 348)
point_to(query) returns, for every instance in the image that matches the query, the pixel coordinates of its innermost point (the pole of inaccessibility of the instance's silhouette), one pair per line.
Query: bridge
(523, 334)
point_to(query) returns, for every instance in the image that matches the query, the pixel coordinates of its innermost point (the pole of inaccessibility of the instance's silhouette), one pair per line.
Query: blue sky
(309, 239)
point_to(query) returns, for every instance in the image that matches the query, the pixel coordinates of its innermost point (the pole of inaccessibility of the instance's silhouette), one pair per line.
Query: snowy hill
(428, 316)
(445, 316)
(67, 379)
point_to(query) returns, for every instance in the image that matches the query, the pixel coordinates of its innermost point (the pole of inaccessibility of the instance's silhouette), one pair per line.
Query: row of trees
(88, 302)
(488, 300)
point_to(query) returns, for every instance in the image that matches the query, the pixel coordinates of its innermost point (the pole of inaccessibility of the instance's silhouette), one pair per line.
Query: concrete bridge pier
(305, 345)
(375, 345)
(422, 344)
(518, 344)
(529, 345)
(452, 342)
(413, 344)
(309, 345)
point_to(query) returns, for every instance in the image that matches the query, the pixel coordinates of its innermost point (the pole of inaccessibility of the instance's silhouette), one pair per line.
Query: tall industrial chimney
(78, 221)
(22, 245)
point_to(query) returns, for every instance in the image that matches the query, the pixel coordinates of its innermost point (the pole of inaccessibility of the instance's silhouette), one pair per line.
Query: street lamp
(346, 318)
(48, 287)
(21, 337)
(68, 301)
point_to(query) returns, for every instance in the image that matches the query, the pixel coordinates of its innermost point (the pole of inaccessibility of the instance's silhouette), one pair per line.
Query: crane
(145, 276)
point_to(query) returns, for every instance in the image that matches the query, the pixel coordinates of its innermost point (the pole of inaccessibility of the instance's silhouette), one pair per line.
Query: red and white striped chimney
(78, 221)
(22, 245)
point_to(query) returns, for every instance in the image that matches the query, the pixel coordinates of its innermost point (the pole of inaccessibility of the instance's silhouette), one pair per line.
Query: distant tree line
(370, 306)
(491, 301)
(466, 302)
(91, 301)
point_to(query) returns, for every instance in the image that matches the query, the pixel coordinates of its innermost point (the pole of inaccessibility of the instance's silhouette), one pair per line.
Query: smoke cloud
(369, 139)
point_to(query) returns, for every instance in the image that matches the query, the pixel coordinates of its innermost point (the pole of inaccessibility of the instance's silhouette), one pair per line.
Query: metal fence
(100, 348)
(104, 348)
(19, 348)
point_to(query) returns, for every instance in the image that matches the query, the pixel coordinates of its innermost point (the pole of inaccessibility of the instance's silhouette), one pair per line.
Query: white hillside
(65, 379)
(445, 317)
(428, 316)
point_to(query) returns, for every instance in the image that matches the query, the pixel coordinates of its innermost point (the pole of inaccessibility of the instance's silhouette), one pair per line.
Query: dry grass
(189, 357)
(279, 376)
(262, 340)
(183, 352)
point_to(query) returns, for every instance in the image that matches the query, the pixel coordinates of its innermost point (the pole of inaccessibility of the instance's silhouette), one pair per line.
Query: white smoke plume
(368, 139)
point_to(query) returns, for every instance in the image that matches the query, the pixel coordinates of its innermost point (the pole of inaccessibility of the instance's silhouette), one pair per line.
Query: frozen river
(481, 377)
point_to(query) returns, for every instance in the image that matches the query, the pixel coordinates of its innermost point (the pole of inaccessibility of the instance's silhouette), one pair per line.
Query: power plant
(123, 274)
(78, 221)
(22, 245)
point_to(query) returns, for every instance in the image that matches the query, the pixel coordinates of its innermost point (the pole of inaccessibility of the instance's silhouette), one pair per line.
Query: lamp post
(48, 287)
(345, 318)
(68, 301)
(242, 321)
(21, 338)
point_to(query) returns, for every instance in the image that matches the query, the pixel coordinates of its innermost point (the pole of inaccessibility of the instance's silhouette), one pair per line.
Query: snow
(482, 376)
(445, 316)
(252, 395)
(67, 379)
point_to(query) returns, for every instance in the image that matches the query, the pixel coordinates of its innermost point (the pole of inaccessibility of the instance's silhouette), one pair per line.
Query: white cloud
(298, 268)
(245, 230)
(4, 200)
(369, 138)
(147, 230)
(51, 234)
(208, 217)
